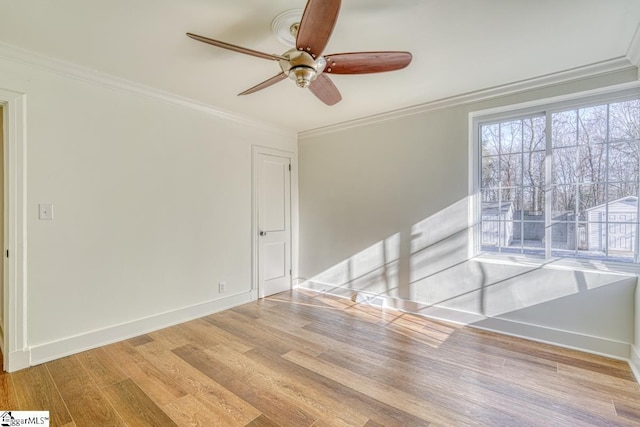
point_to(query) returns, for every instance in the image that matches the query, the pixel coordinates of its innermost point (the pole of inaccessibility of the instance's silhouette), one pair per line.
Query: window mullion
(522, 185)
(579, 177)
(606, 188)
(548, 186)
(499, 220)
(636, 228)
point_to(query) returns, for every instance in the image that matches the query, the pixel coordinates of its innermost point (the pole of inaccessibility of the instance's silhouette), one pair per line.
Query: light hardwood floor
(307, 359)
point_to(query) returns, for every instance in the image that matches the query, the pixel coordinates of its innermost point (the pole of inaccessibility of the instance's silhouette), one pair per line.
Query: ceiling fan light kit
(301, 67)
(305, 64)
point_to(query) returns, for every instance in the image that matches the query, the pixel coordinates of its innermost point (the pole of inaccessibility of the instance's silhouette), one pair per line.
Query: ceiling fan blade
(325, 90)
(273, 80)
(235, 48)
(366, 62)
(317, 24)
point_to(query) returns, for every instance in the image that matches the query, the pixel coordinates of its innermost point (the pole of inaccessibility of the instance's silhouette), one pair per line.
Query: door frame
(256, 151)
(15, 346)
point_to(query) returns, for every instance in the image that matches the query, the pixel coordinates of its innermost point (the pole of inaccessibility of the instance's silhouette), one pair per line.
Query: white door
(274, 224)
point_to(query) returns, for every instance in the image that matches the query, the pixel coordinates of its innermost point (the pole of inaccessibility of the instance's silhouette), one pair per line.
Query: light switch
(46, 211)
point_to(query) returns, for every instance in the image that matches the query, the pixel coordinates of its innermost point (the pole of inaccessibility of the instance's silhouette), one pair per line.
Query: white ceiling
(459, 46)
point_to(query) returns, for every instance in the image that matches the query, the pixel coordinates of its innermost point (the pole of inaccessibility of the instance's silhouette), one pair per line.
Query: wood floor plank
(441, 384)
(140, 340)
(371, 333)
(542, 403)
(529, 391)
(102, 368)
(375, 409)
(170, 338)
(372, 423)
(328, 342)
(274, 406)
(283, 319)
(532, 365)
(301, 393)
(83, 399)
(286, 334)
(242, 327)
(382, 392)
(191, 411)
(351, 356)
(568, 357)
(296, 312)
(135, 406)
(399, 347)
(8, 397)
(36, 391)
(628, 411)
(254, 310)
(578, 371)
(262, 421)
(592, 396)
(154, 382)
(372, 314)
(418, 332)
(303, 306)
(527, 346)
(321, 422)
(223, 406)
(207, 335)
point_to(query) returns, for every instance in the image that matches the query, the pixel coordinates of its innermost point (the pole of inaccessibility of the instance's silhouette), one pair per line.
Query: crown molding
(77, 72)
(88, 75)
(633, 53)
(574, 74)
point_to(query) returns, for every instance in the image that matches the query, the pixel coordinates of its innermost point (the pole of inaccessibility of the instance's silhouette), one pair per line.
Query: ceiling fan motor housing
(301, 67)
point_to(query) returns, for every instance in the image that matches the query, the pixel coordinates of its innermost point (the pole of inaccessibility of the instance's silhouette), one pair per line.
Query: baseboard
(431, 311)
(16, 360)
(1, 339)
(76, 344)
(634, 362)
(568, 339)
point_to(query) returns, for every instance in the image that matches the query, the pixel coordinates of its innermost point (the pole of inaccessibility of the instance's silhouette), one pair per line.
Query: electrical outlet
(221, 287)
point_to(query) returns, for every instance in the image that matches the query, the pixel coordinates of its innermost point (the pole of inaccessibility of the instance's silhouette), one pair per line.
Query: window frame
(542, 107)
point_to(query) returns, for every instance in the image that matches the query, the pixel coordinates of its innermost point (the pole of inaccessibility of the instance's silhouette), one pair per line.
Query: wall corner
(633, 52)
(634, 362)
(634, 353)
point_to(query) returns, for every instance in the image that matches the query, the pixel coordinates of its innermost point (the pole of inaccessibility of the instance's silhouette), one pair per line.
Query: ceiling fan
(306, 65)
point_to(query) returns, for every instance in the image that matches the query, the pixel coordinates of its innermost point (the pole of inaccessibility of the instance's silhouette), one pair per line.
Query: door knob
(263, 233)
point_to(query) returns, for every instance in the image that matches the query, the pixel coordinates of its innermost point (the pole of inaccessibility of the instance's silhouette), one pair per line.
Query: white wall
(152, 208)
(384, 210)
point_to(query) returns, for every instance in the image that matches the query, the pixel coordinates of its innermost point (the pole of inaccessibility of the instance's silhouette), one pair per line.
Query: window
(562, 182)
